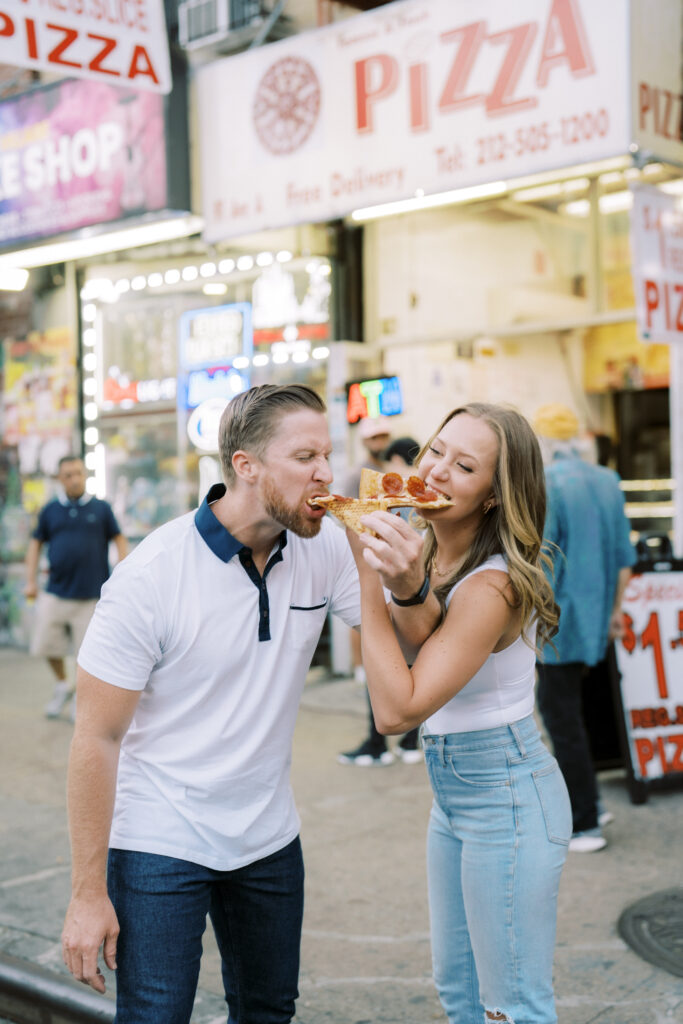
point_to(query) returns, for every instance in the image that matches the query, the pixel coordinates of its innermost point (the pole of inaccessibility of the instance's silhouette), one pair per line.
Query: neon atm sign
(380, 397)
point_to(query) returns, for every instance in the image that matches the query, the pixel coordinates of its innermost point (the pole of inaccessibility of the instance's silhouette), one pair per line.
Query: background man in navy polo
(77, 529)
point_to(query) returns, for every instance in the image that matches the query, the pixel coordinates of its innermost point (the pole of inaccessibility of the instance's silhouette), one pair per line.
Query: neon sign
(380, 397)
(209, 342)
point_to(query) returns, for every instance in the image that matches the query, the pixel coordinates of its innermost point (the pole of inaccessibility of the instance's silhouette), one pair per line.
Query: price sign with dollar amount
(650, 660)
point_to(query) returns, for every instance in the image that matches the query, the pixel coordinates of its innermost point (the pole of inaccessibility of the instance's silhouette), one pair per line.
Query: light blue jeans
(498, 836)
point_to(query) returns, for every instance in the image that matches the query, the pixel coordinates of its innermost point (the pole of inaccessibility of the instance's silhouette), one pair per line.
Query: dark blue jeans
(162, 904)
(560, 703)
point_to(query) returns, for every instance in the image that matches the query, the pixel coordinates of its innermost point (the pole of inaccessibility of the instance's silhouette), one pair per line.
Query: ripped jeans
(498, 835)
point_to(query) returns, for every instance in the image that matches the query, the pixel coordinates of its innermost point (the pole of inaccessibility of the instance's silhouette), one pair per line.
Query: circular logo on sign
(286, 105)
(203, 424)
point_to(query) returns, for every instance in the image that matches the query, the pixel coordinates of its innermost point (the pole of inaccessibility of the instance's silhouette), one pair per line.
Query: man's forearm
(90, 790)
(32, 560)
(622, 582)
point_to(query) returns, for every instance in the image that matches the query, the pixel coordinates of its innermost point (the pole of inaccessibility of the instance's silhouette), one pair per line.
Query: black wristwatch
(418, 598)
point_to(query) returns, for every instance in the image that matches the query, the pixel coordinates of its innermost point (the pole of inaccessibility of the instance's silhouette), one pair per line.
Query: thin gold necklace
(440, 572)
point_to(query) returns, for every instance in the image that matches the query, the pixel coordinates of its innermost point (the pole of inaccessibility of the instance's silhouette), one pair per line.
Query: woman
(500, 822)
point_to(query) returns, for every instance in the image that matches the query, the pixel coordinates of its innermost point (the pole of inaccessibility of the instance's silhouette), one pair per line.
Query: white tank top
(502, 691)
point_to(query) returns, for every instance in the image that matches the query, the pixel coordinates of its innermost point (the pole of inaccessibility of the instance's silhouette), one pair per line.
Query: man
(375, 434)
(189, 681)
(587, 534)
(374, 750)
(77, 529)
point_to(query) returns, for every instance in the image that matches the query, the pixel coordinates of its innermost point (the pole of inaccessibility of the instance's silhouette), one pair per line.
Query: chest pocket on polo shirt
(304, 624)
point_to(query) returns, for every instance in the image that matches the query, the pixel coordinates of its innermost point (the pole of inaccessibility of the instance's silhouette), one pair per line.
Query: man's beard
(291, 518)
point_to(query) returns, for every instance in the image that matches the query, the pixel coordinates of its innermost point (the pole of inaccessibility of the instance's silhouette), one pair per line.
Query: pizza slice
(378, 493)
(396, 491)
(347, 510)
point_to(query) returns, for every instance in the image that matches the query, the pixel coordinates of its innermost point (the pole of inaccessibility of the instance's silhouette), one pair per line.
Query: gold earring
(488, 506)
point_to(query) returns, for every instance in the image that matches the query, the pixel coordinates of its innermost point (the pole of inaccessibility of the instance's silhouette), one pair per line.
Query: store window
(165, 347)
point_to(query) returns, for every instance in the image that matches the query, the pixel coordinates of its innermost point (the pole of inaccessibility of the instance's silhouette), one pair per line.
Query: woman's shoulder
(493, 564)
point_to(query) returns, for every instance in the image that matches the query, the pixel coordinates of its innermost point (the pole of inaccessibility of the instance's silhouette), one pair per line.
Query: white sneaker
(410, 756)
(60, 698)
(587, 842)
(605, 818)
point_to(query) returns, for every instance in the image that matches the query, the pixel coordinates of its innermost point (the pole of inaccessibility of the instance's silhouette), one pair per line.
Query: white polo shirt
(220, 656)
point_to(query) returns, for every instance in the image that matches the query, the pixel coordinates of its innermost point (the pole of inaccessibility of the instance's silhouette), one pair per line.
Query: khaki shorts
(60, 624)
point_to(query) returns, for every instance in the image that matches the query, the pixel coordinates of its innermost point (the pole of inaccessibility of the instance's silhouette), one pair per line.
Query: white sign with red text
(120, 42)
(657, 248)
(650, 660)
(418, 95)
(657, 78)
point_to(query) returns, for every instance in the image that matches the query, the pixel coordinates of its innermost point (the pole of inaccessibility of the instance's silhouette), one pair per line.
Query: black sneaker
(366, 756)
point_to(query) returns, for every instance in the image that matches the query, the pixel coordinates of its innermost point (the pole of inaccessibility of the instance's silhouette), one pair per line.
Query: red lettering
(6, 25)
(677, 761)
(662, 755)
(453, 96)
(667, 113)
(141, 65)
(651, 300)
(644, 102)
(645, 751)
(642, 718)
(500, 100)
(357, 407)
(678, 288)
(31, 41)
(366, 96)
(565, 29)
(667, 309)
(96, 62)
(419, 113)
(55, 54)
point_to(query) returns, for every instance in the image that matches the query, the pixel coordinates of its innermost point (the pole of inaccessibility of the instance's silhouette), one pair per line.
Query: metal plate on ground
(653, 928)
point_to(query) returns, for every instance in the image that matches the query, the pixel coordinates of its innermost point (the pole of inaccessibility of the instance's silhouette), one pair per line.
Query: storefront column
(596, 289)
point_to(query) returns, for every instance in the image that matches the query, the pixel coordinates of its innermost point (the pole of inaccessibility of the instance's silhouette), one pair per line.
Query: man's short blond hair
(251, 419)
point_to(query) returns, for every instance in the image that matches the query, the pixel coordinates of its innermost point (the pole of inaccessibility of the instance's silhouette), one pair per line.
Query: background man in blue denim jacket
(588, 534)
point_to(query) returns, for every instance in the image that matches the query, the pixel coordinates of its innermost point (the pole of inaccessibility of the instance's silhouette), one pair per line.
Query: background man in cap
(375, 434)
(587, 534)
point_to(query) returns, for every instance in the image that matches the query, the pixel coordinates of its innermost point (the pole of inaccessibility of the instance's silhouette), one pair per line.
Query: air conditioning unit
(206, 22)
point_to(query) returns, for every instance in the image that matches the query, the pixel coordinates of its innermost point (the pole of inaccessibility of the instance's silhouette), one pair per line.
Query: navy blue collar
(215, 535)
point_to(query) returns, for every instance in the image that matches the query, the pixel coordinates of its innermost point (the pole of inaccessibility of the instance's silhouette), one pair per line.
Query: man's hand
(31, 591)
(616, 625)
(90, 924)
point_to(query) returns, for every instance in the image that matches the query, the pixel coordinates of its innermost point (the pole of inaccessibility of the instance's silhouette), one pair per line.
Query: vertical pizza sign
(650, 660)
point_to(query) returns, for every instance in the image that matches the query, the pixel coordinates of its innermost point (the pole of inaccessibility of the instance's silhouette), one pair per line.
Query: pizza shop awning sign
(120, 42)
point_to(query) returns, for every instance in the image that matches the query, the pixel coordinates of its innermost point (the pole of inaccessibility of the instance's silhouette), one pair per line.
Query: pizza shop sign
(412, 96)
(120, 42)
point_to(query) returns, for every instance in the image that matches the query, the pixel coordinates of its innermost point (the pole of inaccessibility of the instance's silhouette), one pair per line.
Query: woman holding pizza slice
(501, 821)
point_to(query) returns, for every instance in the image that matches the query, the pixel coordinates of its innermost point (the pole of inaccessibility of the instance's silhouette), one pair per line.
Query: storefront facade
(84, 165)
(489, 162)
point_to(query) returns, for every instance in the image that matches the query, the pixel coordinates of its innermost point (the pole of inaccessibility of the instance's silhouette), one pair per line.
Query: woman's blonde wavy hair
(514, 527)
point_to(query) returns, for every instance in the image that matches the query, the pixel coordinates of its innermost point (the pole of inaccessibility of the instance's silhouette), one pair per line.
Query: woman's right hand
(394, 550)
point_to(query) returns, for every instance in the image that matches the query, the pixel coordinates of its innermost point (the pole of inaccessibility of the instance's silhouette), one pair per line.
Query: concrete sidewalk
(365, 956)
